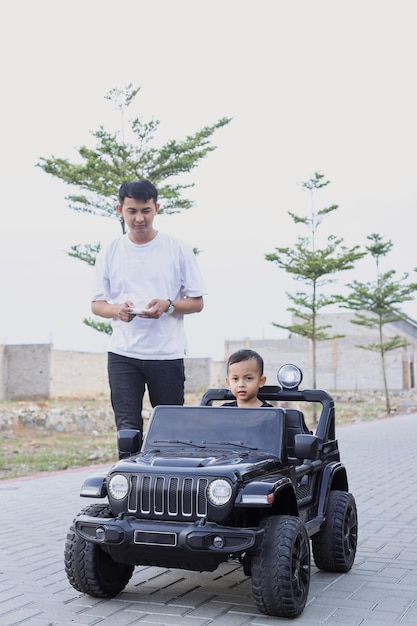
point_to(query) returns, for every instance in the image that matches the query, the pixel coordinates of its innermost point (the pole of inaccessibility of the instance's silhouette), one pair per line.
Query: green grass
(25, 452)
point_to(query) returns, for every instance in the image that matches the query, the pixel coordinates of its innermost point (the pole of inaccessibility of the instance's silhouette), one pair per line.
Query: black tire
(334, 547)
(281, 567)
(91, 570)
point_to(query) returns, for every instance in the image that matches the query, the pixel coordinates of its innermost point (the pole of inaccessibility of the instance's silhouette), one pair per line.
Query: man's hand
(154, 309)
(124, 314)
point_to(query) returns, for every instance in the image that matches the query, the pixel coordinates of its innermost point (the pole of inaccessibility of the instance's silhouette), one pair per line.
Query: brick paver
(381, 589)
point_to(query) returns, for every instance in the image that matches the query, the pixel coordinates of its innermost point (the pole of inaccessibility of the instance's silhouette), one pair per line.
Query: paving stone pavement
(380, 590)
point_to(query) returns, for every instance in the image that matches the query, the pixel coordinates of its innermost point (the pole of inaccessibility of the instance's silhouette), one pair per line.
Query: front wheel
(281, 567)
(334, 547)
(89, 569)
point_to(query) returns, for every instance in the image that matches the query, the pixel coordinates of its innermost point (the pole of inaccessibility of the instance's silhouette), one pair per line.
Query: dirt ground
(25, 451)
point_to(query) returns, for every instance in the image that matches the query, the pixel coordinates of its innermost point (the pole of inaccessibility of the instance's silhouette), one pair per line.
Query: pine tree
(377, 304)
(314, 267)
(101, 170)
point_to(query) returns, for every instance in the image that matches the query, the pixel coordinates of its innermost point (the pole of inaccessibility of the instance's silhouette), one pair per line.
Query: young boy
(245, 376)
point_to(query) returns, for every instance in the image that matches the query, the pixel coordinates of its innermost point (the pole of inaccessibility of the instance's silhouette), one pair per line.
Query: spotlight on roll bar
(289, 376)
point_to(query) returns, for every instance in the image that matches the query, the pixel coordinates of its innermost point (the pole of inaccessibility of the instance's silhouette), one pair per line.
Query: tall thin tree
(100, 170)
(377, 303)
(313, 266)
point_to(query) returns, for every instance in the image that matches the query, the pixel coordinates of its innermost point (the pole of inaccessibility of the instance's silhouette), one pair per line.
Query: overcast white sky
(311, 86)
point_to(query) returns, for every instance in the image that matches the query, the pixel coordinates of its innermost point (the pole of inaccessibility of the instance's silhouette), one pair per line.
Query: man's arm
(188, 305)
(109, 311)
(156, 307)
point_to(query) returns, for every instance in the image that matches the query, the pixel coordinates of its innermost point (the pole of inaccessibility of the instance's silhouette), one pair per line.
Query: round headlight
(219, 492)
(289, 376)
(118, 486)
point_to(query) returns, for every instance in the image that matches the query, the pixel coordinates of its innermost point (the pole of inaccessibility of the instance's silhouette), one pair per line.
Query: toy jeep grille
(173, 496)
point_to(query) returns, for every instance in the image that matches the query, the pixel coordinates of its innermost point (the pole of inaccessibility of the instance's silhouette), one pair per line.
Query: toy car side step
(314, 525)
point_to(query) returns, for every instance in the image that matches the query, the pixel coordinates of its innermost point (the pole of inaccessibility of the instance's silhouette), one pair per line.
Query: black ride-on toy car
(212, 484)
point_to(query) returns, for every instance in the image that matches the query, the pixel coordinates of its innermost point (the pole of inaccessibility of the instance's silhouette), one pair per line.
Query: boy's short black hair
(246, 355)
(139, 190)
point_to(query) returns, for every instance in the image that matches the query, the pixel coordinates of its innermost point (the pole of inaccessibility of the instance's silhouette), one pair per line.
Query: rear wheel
(281, 567)
(89, 569)
(334, 547)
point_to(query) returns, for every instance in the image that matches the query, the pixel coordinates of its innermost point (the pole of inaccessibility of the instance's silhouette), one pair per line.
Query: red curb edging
(56, 473)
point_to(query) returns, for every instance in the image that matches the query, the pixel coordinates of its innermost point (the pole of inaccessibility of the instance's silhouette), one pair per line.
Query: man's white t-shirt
(164, 268)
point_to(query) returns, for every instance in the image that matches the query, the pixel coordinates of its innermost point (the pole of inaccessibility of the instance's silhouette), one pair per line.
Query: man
(145, 282)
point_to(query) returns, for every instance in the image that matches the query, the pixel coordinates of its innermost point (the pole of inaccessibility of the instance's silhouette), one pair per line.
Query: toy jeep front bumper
(198, 545)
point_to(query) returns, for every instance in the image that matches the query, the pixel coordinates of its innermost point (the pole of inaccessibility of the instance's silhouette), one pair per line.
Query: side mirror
(129, 442)
(306, 446)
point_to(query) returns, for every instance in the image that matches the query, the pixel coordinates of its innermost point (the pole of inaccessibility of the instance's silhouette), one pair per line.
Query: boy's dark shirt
(234, 403)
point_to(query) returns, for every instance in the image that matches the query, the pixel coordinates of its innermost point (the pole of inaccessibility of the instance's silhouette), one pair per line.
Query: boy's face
(138, 216)
(244, 380)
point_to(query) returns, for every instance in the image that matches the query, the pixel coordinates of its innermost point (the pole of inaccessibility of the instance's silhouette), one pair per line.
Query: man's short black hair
(246, 355)
(139, 190)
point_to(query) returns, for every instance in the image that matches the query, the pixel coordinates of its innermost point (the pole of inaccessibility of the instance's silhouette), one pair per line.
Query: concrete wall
(39, 371)
(25, 371)
(84, 374)
(341, 364)
(78, 374)
(3, 379)
(197, 375)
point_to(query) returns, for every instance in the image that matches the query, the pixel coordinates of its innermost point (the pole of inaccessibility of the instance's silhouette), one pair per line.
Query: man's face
(138, 216)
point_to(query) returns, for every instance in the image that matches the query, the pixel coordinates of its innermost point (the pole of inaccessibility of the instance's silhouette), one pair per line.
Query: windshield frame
(260, 429)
